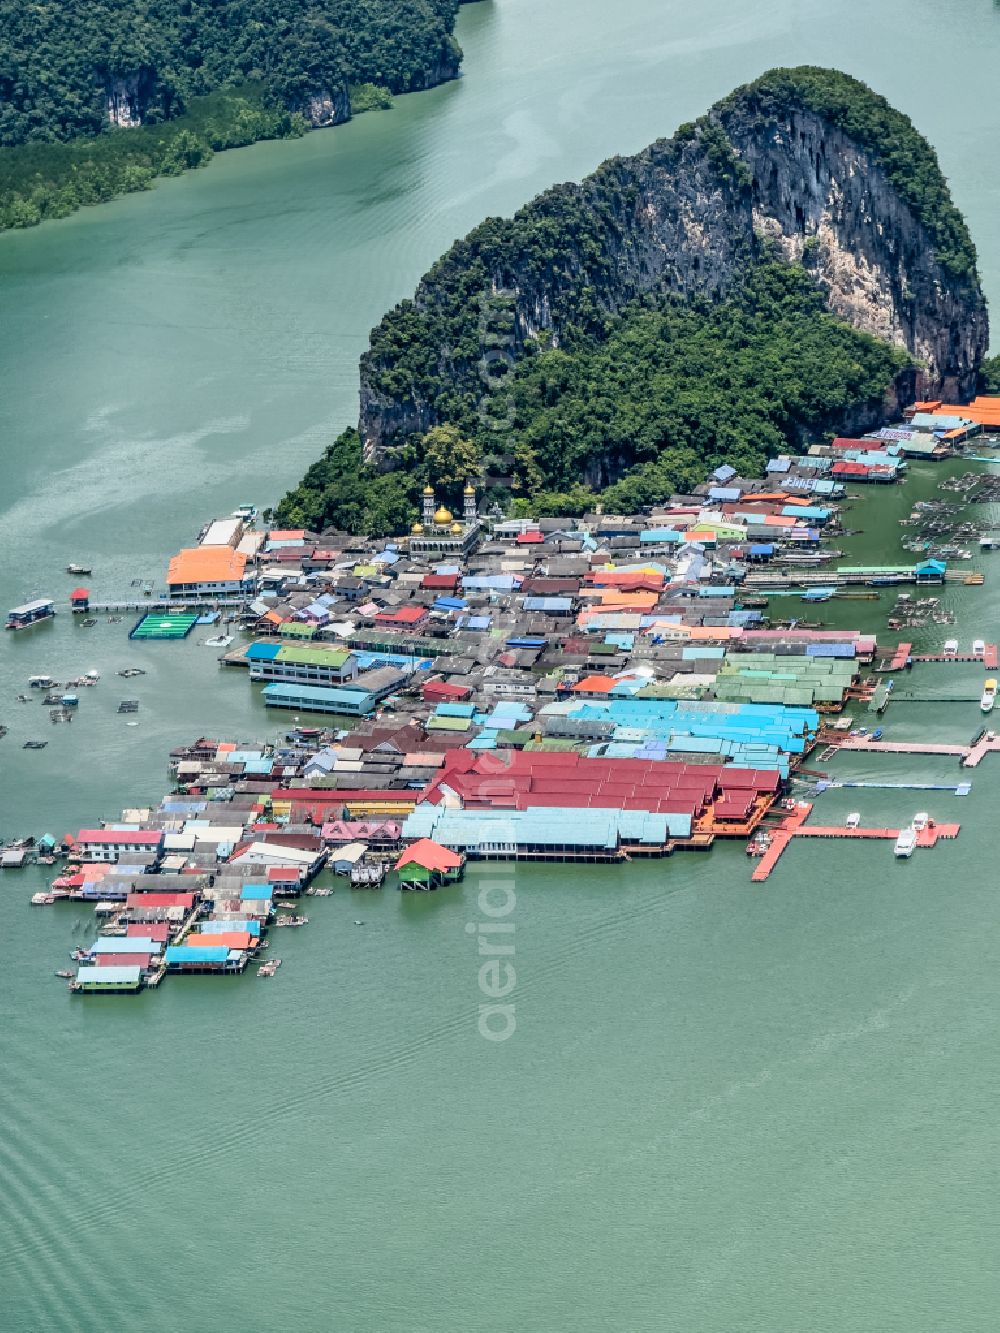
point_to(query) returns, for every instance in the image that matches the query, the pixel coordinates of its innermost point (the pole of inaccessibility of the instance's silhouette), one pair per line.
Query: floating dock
(794, 826)
(987, 659)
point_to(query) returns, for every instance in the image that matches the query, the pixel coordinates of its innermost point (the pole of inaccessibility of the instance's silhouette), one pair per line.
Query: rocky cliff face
(128, 96)
(325, 107)
(829, 203)
(684, 217)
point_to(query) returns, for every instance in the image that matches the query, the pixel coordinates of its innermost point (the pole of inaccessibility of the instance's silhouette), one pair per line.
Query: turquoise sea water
(724, 1107)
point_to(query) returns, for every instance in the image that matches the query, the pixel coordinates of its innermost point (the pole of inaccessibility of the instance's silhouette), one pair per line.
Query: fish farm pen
(160, 625)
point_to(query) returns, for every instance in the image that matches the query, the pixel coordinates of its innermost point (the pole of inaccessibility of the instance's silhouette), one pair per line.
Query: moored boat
(31, 613)
(906, 843)
(989, 696)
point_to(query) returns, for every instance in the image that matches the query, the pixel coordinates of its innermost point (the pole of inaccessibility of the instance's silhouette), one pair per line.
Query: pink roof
(160, 900)
(159, 930)
(119, 837)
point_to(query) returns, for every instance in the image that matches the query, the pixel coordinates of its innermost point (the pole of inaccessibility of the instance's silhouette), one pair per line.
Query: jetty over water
(970, 755)
(794, 826)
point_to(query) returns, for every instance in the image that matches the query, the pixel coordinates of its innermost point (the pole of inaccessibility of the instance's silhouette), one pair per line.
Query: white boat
(219, 641)
(989, 696)
(979, 648)
(906, 842)
(920, 821)
(853, 820)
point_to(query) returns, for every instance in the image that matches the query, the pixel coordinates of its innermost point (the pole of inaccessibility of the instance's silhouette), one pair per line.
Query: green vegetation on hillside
(673, 389)
(891, 137)
(52, 180)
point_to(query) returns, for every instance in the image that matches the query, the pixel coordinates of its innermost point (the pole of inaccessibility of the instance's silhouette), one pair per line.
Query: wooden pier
(794, 826)
(162, 604)
(970, 755)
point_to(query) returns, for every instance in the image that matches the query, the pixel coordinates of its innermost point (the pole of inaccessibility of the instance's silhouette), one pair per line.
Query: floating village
(585, 690)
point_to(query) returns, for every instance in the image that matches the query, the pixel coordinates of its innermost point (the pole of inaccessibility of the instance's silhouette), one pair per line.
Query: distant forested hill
(98, 97)
(60, 63)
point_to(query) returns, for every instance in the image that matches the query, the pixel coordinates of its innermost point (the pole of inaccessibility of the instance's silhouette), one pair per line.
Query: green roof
(296, 629)
(331, 657)
(437, 723)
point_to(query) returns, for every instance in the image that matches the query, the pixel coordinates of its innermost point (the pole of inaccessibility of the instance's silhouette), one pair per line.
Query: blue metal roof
(263, 652)
(196, 953)
(321, 694)
(655, 535)
(224, 927)
(255, 892)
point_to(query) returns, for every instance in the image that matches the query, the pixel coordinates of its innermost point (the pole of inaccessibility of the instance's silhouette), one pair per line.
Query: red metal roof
(79, 595)
(403, 615)
(521, 780)
(444, 689)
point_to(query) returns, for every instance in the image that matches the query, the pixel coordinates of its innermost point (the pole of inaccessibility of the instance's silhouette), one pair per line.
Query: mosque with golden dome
(439, 531)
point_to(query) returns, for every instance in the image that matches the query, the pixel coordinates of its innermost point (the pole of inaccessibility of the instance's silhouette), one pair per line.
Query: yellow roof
(428, 490)
(443, 515)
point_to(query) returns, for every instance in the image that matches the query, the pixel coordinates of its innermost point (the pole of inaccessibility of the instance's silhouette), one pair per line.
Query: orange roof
(207, 564)
(286, 534)
(594, 685)
(430, 855)
(636, 600)
(982, 411)
(231, 939)
(929, 405)
(777, 520)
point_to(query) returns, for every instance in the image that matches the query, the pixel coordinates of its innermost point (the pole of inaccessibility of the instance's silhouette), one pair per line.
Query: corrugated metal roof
(182, 953)
(109, 976)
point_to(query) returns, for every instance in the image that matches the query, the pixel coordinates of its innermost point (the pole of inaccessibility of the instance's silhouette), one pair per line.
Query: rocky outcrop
(128, 96)
(325, 107)
(686, 217)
